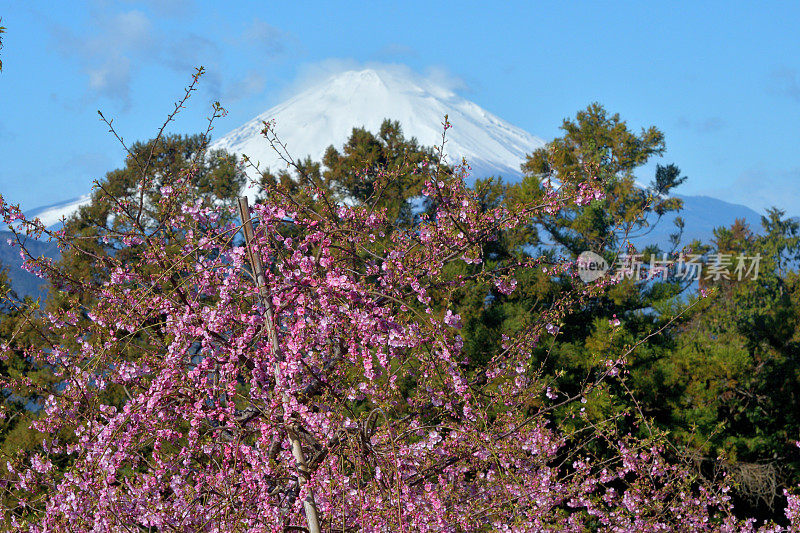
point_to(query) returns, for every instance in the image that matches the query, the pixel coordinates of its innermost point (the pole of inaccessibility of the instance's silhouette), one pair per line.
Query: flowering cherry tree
(296, 366)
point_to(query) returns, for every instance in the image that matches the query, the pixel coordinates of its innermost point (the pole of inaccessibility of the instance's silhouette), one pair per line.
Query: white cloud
(109, 57)
(111, 76)
(128, 31)
(118, 45)
(251, 84)
(437, 79)
(267, 39)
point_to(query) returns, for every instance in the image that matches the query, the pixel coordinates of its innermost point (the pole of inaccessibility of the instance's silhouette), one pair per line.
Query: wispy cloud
(119, 44)
(168, 8)
(395, 52)
(108, 56)
(703, 126)
(268, 40)
(786, 81)
(184, 53)
(437, 79)
(446, 79)
(251, 84)
(711, 124)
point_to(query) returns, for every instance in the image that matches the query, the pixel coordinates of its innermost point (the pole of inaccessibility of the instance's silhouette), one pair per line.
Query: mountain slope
(51, 215)
(326, 114)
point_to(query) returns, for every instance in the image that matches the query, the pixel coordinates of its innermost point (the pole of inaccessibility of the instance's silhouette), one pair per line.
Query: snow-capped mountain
(326, 114)
(51, 215)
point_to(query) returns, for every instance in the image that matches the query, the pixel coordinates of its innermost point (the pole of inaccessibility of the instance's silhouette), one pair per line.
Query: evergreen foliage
(715, 377)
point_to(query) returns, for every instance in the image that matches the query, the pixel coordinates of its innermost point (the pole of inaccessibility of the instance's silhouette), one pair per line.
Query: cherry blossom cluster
(199, 394)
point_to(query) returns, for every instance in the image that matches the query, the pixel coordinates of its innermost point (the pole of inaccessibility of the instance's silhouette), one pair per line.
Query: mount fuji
(326, 113)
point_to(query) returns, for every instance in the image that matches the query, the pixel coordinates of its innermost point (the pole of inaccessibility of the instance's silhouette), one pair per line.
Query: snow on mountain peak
(51, 215)
(326, 114)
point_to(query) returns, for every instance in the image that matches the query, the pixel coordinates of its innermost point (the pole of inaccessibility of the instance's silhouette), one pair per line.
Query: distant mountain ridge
(700, 214)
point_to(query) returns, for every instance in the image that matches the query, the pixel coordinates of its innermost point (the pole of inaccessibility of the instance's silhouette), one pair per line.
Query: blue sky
(721, 79)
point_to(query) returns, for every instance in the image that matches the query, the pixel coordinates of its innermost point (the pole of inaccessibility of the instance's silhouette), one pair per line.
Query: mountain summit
(326, 114)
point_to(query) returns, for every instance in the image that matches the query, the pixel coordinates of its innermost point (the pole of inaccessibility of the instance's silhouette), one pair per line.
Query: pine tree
(386, 168)
(143, 188)
(598, 148)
